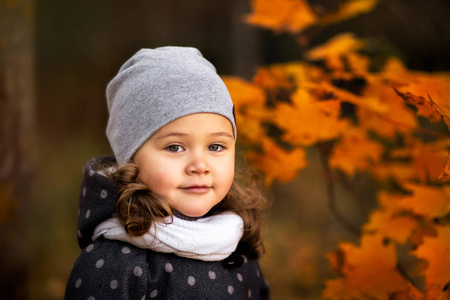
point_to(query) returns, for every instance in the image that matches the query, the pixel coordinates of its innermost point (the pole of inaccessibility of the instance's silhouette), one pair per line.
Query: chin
(194, 213)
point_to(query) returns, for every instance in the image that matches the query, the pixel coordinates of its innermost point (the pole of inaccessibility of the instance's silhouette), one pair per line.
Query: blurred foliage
(78, 47)
(362, 119)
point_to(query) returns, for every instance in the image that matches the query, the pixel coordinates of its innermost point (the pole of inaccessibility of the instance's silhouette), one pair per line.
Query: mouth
(197, 189)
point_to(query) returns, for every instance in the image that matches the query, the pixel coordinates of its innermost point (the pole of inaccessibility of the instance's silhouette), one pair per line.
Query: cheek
(227, 177)
(157, 179)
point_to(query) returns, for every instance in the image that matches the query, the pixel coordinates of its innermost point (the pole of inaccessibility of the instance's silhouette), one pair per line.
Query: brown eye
(174, 148)
(216, 147)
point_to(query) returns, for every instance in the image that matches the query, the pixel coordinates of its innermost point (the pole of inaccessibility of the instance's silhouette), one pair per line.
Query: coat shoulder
(109, 269)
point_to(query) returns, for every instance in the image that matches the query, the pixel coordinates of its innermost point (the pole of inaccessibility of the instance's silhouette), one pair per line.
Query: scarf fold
(211, 238)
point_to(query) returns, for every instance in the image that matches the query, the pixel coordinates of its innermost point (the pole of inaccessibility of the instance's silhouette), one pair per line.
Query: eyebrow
(180, 134)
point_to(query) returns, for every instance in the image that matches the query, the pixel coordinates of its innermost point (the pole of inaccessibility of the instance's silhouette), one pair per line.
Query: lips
(197, 189)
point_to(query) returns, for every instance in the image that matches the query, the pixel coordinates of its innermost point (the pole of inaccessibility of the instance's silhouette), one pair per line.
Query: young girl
(166, 217)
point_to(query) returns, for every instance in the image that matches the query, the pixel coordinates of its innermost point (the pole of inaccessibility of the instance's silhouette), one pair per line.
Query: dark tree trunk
(16, 142)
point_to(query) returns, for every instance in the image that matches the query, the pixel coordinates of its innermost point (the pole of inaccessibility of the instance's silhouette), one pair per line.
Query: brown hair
(138, 207)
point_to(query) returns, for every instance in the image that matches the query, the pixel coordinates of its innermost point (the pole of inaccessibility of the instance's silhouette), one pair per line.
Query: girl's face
(189, 161)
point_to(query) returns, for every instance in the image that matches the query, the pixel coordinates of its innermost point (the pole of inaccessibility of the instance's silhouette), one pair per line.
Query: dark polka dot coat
(108, 269)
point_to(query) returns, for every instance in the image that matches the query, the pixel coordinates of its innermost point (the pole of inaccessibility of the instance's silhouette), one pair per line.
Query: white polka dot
(88, 213)
(137, 271)
(154, 293)
(143, 297)
(212, 275)
(91, 298)
(168, 267)
(249, 294)
(230, 289)
(258, 274)
(114, 284)
(84, 192)
(89, 248)
(191, 280)
(239, 277)
(99, 263)
(79, 234)
(91, 172)
(78, 283)
(103, 194)
(126, 250)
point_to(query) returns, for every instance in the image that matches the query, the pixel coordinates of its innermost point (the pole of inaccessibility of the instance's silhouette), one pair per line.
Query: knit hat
(157, 86)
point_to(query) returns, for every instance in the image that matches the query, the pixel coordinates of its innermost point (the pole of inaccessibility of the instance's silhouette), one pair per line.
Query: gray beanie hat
(156, 87)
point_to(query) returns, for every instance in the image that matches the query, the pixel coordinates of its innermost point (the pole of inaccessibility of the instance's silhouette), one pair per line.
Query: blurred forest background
(56, 59)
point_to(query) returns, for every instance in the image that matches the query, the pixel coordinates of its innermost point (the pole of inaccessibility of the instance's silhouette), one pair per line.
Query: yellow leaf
(277, 163)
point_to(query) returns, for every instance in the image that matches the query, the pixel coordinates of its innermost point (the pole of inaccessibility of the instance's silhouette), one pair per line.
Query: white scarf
(211, 238)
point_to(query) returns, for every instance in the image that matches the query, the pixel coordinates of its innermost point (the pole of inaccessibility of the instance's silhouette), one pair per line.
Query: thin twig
(324, 151)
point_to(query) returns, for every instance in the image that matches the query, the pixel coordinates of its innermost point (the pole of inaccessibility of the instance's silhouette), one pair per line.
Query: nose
(197, 164)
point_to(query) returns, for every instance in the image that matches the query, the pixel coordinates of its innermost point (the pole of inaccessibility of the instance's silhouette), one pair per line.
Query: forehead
(198, 123)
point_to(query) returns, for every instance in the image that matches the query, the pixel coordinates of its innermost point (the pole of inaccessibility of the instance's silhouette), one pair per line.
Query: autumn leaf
(277, 163)
(345, 157)
(423, 105)
(445, 173)
(244, 93)
(436, 251)
(297, 15)
(427, 92)
(282, 15)
(427, 159)
(307, 121)
(370, 272)
(390, 221)
(398, 171)
(393, 117)
(349, 9)
(332, 92)
(427, 201)
(333, 50)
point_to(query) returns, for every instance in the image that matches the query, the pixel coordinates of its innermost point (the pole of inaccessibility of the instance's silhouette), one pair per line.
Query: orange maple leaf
(392, 115)
(398, 171)
(282, 15)
(427, 160)
(244, 93)
(349, 9)
(445, 173)
(427, 92)
(369, 272)
(308, 121)
(333, 50)
(436, 251)
(427, 201)
(390, 221)
(277, 163)
(355, 151)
